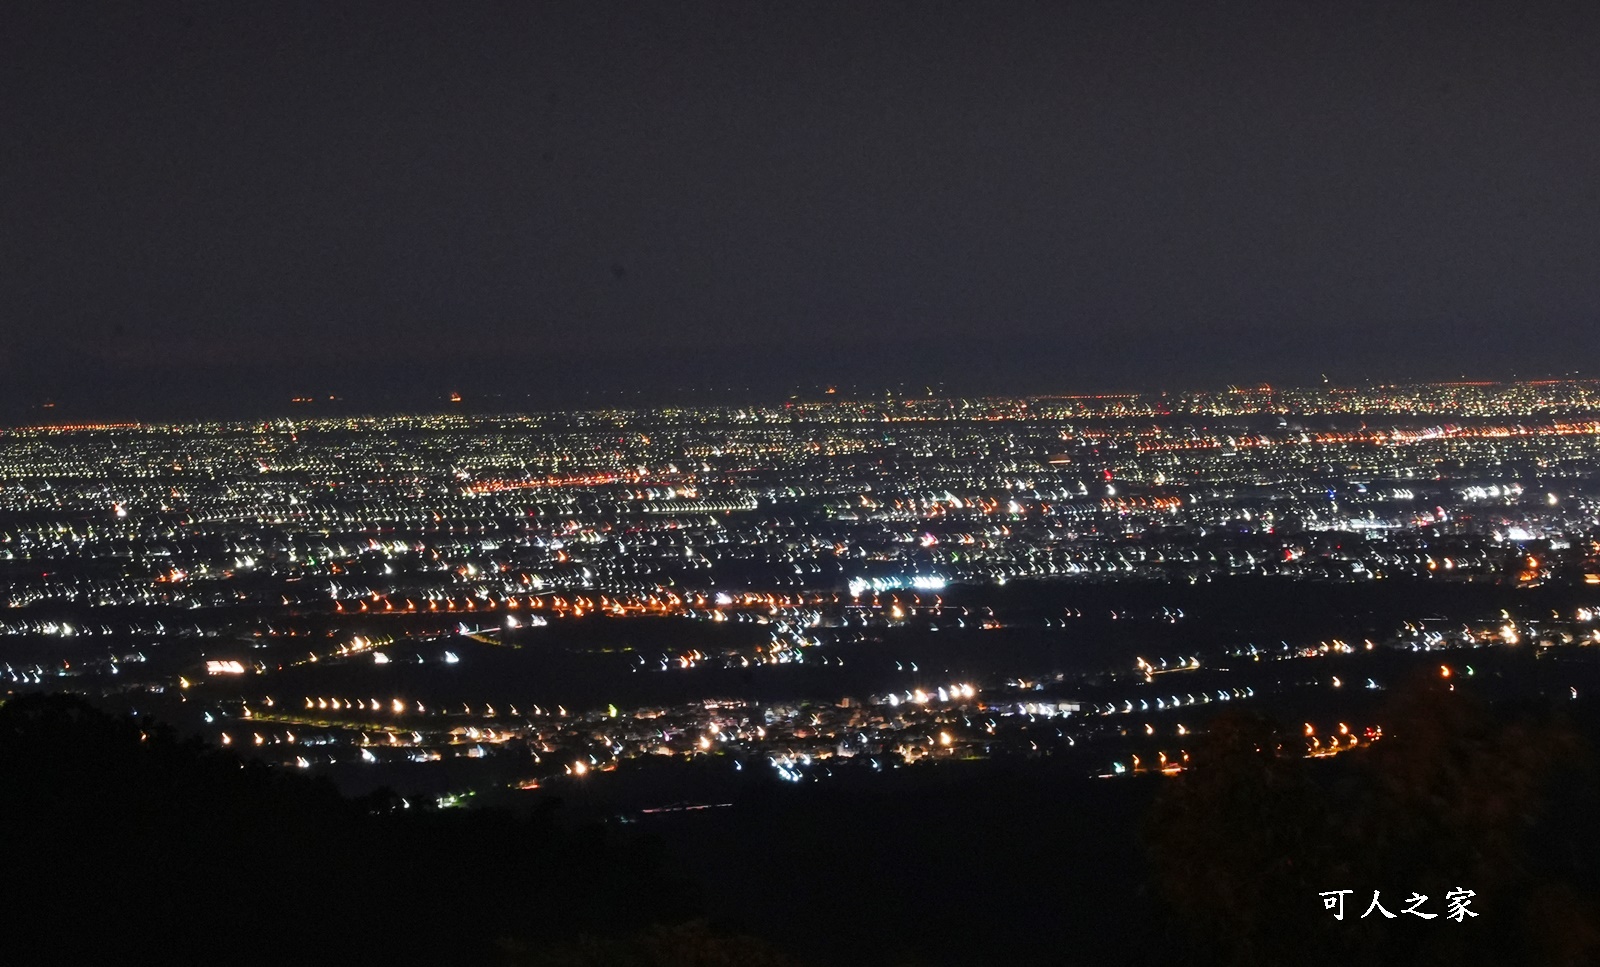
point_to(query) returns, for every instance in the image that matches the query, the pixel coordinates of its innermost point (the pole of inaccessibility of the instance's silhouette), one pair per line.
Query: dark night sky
(252, 200)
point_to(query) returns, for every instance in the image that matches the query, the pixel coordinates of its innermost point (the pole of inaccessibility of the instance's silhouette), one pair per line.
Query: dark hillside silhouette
(1456, 795)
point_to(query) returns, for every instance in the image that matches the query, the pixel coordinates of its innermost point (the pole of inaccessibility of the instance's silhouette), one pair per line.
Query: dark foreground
(127, 843)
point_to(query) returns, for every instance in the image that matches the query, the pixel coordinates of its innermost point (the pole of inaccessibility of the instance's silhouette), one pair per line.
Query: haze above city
(211, 207)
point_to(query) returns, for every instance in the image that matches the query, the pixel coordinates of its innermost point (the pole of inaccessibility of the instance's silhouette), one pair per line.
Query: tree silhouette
(1454, 796)
(1239, 833)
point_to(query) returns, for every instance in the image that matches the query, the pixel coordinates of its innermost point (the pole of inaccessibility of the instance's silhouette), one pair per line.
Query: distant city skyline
(1464, 395)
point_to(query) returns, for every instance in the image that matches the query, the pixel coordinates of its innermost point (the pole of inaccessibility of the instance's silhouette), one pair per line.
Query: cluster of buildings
(210, 561)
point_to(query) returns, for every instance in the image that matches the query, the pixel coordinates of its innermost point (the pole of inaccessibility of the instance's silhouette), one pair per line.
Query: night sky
(214, 205)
